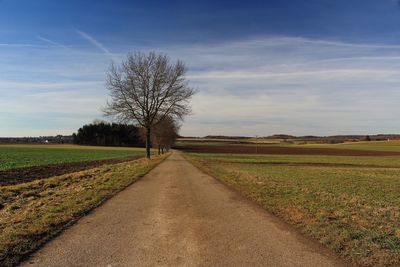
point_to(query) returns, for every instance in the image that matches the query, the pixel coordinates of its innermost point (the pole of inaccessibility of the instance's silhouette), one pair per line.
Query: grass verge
(33, 213)
(355, 211)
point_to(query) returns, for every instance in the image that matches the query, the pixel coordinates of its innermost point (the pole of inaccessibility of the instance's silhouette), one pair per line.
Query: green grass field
(372, 145)
(15, 156)
(350, 204)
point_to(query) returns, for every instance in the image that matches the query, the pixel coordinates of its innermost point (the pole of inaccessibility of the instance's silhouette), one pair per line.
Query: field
(285, 150)
(34, 212)
(45, 188)
(346, 196)
(16, 156)
(393, 146)
(24, 163)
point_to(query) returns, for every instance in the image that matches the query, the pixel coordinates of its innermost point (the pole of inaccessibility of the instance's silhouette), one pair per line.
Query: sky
(301, 67)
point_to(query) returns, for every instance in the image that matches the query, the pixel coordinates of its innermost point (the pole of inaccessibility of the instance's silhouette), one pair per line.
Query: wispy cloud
(253, 86)
(16, 45)
(292, 84)
(342, 44)
(51, 42)
(94, 42)
(256, 74)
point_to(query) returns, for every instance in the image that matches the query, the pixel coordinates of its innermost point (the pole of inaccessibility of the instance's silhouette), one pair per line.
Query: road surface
(178, 216)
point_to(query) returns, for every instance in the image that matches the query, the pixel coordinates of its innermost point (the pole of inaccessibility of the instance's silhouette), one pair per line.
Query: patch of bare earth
(277, 150)
(28, 174)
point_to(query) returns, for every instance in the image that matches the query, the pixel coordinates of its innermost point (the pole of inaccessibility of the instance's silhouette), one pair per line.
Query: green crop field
(350, 204)
(15, 156)
(372, 145)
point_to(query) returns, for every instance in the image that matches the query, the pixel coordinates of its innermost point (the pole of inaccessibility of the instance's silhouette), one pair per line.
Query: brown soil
(28, 174)
(234, 149)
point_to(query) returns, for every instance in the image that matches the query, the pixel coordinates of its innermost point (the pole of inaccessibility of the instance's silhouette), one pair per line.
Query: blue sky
(260, 67)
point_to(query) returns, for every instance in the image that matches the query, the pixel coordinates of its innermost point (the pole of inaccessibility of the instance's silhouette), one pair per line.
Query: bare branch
(148, 89)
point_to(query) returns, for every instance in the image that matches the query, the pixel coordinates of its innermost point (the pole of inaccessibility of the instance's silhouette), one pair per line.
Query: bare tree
(164, 134)
(147, 88)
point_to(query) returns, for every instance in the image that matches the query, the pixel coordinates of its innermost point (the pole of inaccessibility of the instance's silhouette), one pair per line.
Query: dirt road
(178, 216)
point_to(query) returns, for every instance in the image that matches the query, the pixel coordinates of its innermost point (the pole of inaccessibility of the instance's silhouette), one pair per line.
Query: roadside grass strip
(33, 213)
(355, 211)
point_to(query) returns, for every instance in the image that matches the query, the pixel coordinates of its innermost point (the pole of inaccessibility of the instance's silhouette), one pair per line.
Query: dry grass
(355, 211)
(32, 213)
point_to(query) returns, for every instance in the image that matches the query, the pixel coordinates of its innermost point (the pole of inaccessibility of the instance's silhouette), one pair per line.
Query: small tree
(164, 134)
(147, 88)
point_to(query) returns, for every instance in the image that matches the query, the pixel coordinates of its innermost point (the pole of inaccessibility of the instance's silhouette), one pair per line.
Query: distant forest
(108, 134)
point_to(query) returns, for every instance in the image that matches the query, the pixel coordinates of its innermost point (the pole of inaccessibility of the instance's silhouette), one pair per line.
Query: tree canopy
(147, 88)
(108, 134)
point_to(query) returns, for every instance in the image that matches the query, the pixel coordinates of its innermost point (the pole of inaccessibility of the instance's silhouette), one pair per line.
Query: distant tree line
(101, 133)
(58, 139)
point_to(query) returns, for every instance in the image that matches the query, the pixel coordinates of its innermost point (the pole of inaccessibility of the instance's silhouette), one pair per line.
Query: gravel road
(178, 216)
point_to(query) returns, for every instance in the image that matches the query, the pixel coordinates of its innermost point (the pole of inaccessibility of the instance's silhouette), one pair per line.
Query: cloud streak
(342, 44)
(292, 85)
(255, 86)
(16, 45)
(94, 42)
(51, 42)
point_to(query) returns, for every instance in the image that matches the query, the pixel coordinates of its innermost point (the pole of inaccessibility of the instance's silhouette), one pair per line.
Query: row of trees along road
(148, 89)
(164, 134)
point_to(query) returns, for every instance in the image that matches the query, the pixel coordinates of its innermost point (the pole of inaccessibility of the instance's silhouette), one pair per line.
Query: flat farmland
(24, 163)
(45, 188)
(285, 150)
(32, 213)
(393, 146)
(350, 202)
(16, 156)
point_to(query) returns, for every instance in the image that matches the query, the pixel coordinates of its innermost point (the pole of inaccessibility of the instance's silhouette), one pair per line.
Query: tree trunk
(162, 150)
(159, 150)
(148, 142)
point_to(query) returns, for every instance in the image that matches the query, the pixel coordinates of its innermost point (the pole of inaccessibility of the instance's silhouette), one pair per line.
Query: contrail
(51, 42)
(94, 42)
(20, 45)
